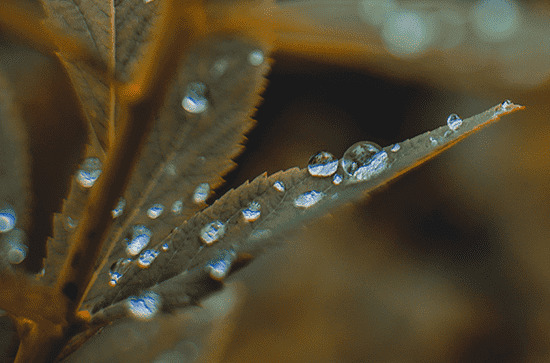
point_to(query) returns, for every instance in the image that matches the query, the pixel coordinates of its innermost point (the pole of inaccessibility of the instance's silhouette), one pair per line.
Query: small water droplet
(118, 269)
(212, 232)
(395, 148)
(119, 208)
(433, 141)
(148, 1)
(337, 179)
(147, 257)
(308, 199)
(363, 160)
(140, 238)
(165, 247)
(16, 247)
(506, 105)
(71, 223)
(201, 193)
(8, 218)
(252, 212)
(454, 121)
(145, 306)
(177, 207)
(113, 278)
(256, 57)
(195, 100)
(219, 267)
(322, 164)
(279, 186)
(89, 171)
(155, 211)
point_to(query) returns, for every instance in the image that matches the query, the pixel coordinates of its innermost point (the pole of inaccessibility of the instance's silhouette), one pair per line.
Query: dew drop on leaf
(145, 306)
(177, 207)
(155, 211)
(252, 212)
(89, 171)
(336, 179)
(195, 100)
(201, 193)
(16, 247)
(118, 269)
(212, 232)
(165, 247)
(8, 219)
(71, 223)
(322, 164)
(256, 57)
(147, 257)
(219, 267)
(363, 160)
(279, 186)
(113, 278)
(308, 199)
(119, 208)
(433, 141)
(140, 238)
(395, 148)
(454, 121)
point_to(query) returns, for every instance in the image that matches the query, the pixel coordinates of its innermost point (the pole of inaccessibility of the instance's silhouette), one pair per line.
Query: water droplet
(308, 199)
(433, 141)
(7, 219)
(195, 100)
(395, 148)
(219, 267)
(148, 1)
(322, 164)
(363, 160)
(337, 179)
(140, 238)
(256, 57)
(16, 247)
(119, 208)
(145, 306)
(201, 193)
(89, 171)
(506, 105)
(71, 223)
(155, 211)
(252, 212)
(279, 186)
(147, 257)
(118, 269)
(113, 278)
(454, 122)
(177, 207)
(212, 232)
(165, 247)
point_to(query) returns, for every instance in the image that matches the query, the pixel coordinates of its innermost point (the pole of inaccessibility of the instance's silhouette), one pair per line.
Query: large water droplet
(119, 208)
(308, 199)
(454, 122)
(201, 193)
(256, 57)
(145, 306)
(363, 160)
(8, 219)
(89, 171)
(336, 179)
(212, 232)
(322, 164)
(195, 100)
(219, 267)
(140, 238)
(155, 211)
(252, 212)
(279, 186)
(16, 247)
(177, 207)
(395, 148)
(147, 257)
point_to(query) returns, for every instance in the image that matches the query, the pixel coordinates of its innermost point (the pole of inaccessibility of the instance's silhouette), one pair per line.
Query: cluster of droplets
(89, 172)
(219, 267)
(252, 212)
(195, 100)
(141, 236)
(145, 306)
(118, 269)
(212, 232)
(201, 193)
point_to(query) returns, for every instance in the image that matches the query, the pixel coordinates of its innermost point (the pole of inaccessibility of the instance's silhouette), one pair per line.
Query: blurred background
(451, 263)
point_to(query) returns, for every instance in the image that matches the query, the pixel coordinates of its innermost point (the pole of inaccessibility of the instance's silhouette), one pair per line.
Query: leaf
(14, 177)
(183, 274)
(186, 149)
